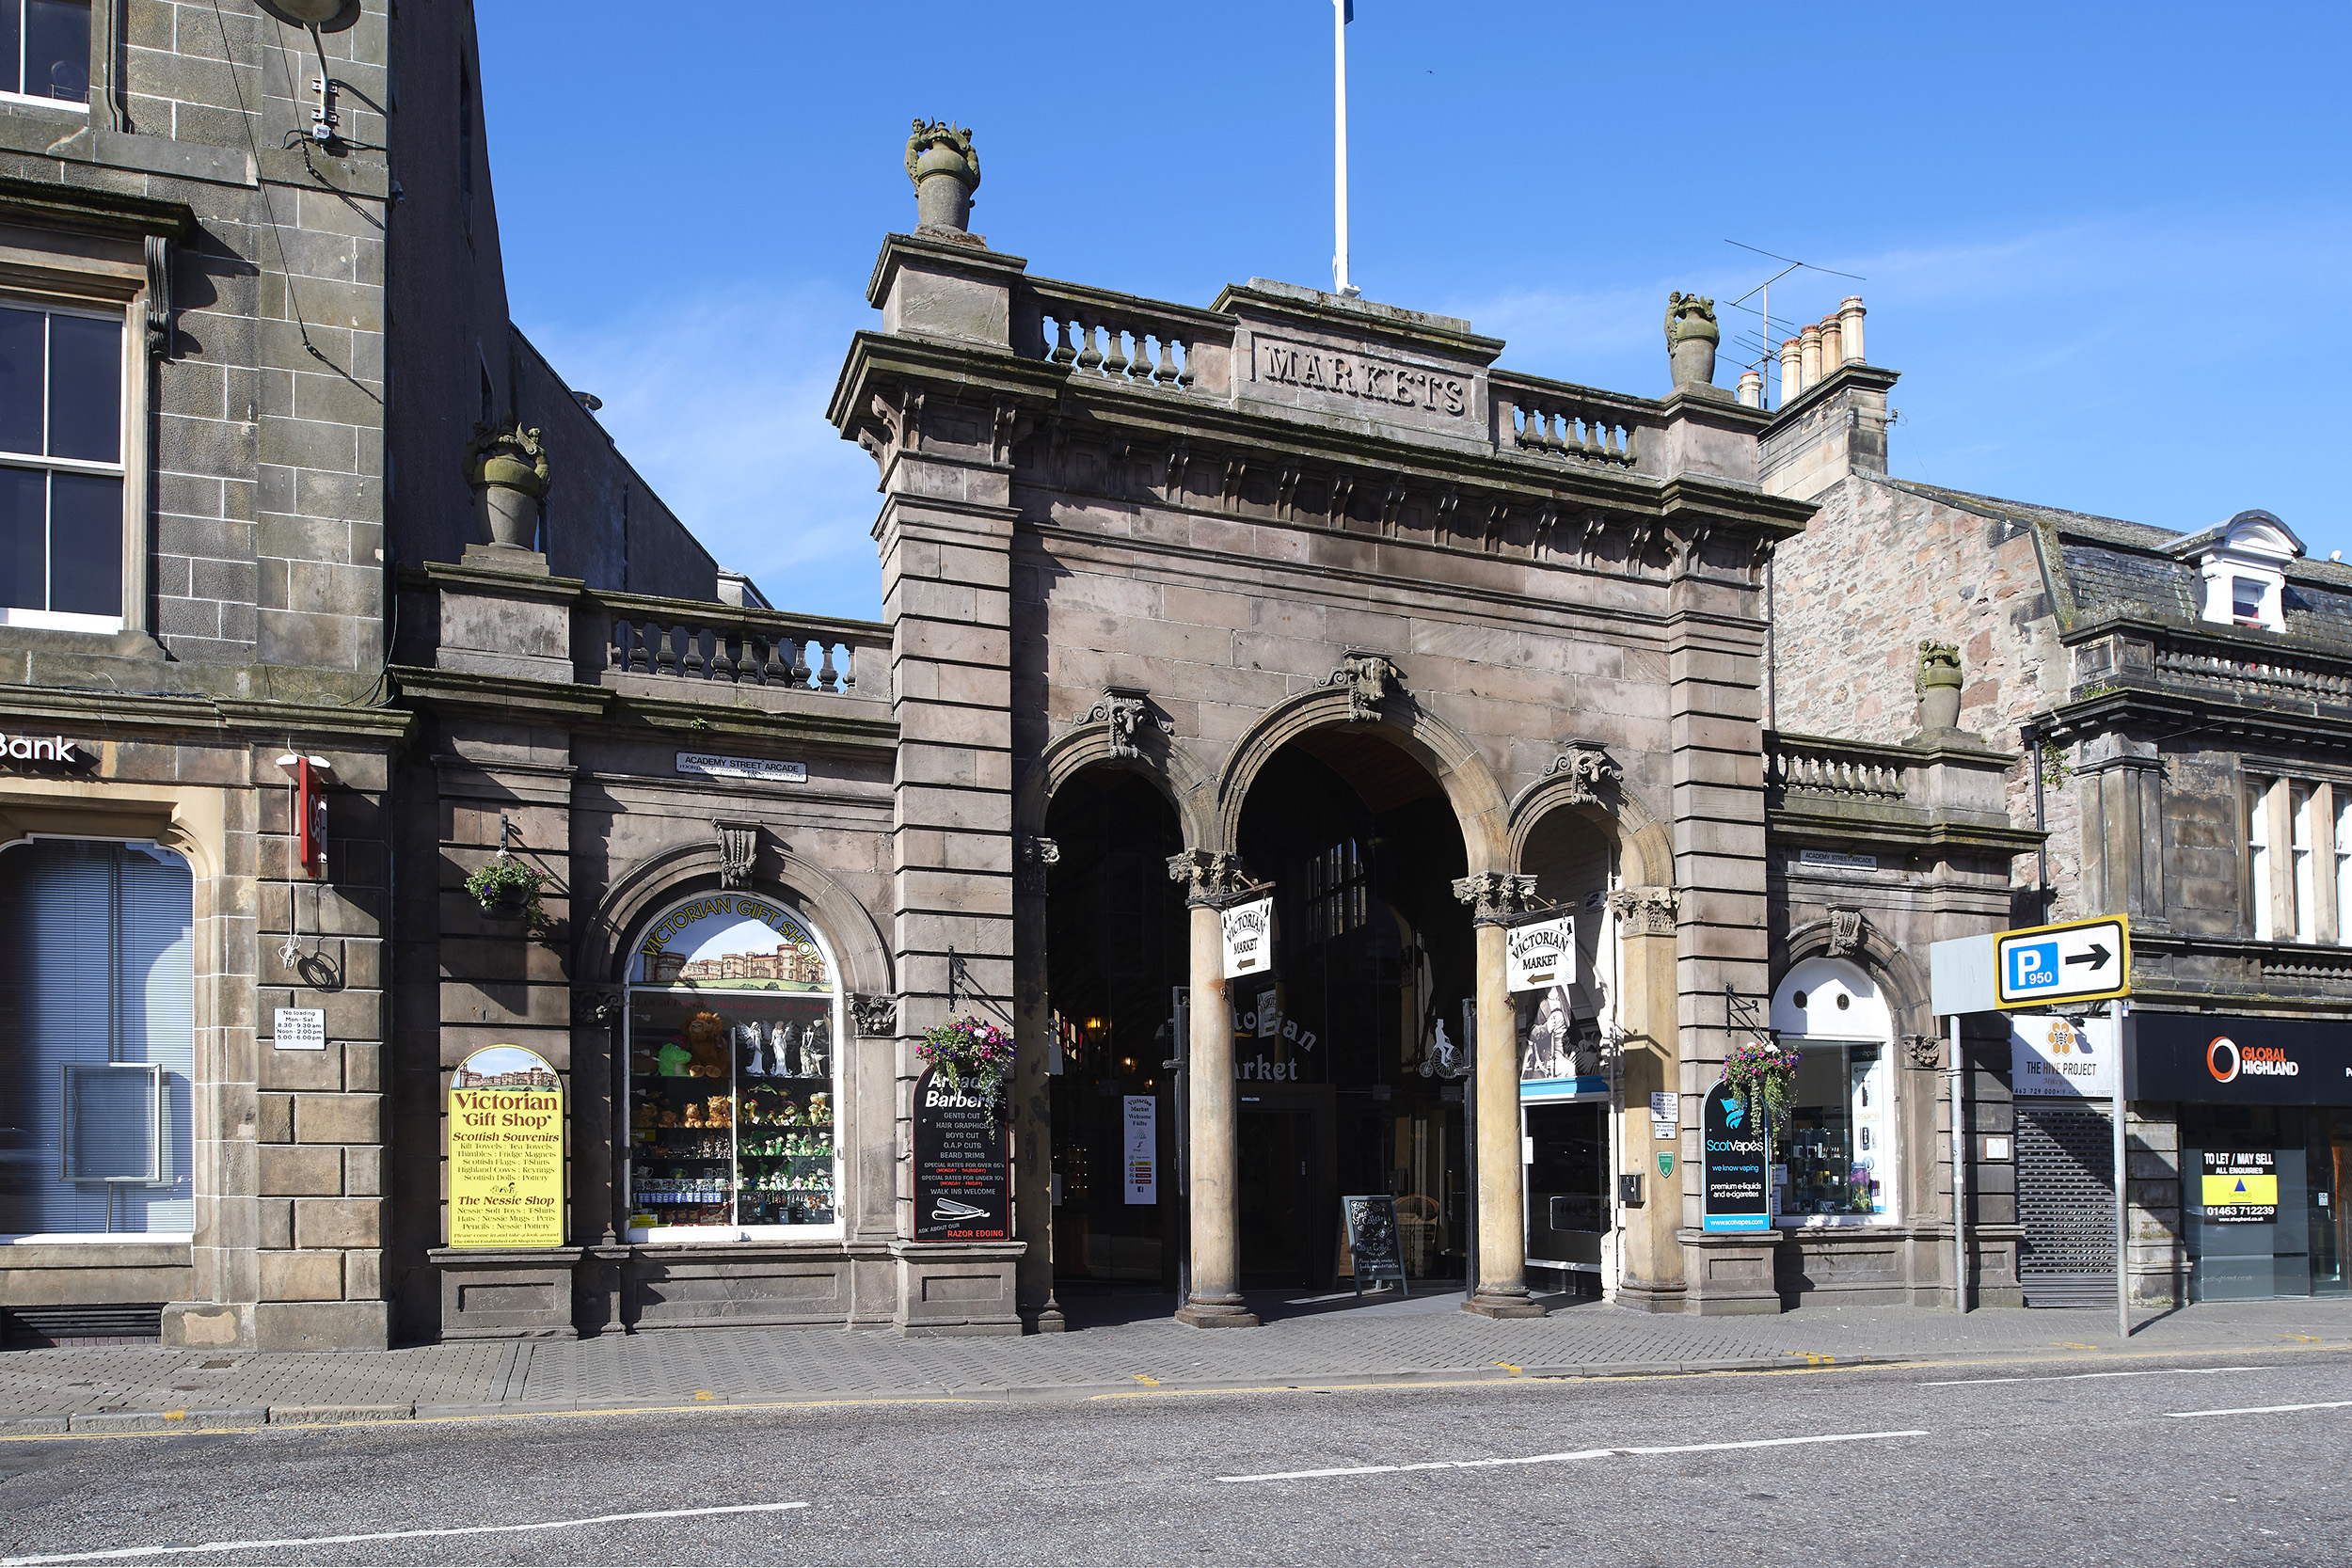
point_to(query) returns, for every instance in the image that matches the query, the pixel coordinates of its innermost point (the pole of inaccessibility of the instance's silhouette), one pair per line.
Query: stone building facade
(2170, 701)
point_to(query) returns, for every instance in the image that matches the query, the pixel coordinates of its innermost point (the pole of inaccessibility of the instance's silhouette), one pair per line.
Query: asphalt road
(2197, 1460)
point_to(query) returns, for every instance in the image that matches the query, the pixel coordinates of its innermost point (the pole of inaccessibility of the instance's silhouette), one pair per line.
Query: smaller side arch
(1169, 764)
(1879, 957)
(1645, 849)
(667, 874)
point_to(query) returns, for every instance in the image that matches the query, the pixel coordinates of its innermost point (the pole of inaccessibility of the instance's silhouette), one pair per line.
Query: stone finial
(946, 171)
(507, 469)
(1690, 339)
(1939, 686)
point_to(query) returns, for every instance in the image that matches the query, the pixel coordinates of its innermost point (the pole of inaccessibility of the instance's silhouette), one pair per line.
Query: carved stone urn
(946, 171)
(1690, 339)
(1939, 686)
(508, 472)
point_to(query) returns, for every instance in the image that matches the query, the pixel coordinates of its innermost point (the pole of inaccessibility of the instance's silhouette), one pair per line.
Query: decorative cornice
(1366, 678)
(1210, 877)
(1495, 897)
(1127, 709)
(1033, 858)
(1586, 766)
(1646, 912)
(739, 851)
(873, 1015)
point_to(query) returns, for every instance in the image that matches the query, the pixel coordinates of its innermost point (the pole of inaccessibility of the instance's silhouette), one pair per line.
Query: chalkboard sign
(1734, 1196)
(963, 1181)
(1373, 1240)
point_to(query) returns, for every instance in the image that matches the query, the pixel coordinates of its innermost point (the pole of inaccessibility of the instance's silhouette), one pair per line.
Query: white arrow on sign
(2082, 960)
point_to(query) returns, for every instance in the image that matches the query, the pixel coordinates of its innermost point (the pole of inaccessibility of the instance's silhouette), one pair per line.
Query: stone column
(1497, 898)
(1651, 1276)
(1210, 879)
(1032, 1090)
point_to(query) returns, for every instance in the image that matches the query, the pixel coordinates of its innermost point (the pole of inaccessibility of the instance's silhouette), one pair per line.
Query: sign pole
(2122, 1174)
(1340, 15)
(1959, 1179)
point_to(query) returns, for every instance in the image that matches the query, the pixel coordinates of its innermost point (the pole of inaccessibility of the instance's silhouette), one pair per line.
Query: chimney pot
(1752, 389)
(1789, 385)
(1832, 350)
(1850, 316)
(1809, 357)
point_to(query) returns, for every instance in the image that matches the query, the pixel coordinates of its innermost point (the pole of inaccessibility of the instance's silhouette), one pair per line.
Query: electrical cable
(269, 207)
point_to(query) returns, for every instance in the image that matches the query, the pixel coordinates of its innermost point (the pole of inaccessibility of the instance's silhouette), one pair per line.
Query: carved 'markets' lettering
(1359, 375)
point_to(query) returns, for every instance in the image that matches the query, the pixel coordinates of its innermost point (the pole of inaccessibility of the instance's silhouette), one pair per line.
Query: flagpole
(1339, 144)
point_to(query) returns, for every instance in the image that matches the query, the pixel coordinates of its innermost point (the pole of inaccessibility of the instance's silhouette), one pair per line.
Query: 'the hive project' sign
(505, 1150)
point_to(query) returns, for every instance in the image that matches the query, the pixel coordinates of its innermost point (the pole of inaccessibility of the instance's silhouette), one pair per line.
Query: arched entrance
(1839, 1156)
(1347, 1057)
(1115, 965)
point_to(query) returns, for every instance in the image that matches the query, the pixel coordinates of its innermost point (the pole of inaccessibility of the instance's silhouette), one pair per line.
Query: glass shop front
(733, 1075)
(1565, 1122)
(2266, 1137)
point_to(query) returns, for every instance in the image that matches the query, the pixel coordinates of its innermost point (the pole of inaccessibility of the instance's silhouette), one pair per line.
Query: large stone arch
(654, 882)
(1470, 785)
(1187, 787)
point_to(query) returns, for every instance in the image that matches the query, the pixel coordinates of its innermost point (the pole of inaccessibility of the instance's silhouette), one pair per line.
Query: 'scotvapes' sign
(1734, 1194)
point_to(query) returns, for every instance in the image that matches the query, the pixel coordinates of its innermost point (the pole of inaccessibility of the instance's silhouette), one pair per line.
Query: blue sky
(2105, 244)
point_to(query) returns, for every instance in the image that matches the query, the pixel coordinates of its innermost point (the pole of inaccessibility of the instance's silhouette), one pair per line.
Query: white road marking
(1559, 1458)
(399, 1534)
(2076, 1377)
(2261, 1409)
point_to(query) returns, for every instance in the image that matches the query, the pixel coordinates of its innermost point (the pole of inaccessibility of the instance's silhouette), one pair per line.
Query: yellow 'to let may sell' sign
(505, 1150)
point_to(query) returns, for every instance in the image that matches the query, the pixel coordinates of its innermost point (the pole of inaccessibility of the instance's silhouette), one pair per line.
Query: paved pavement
(1123, 1342)
(2163, 1458)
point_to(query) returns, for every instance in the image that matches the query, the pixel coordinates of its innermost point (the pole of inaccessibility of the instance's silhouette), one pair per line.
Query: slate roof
(2111, 565)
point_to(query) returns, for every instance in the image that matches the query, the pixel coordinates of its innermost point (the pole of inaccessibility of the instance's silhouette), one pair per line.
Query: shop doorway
(1280, 1161)
(1115, 955)
(2261, 1196)
(1567, 1190)
(1339, 1072)
(2065, 1205)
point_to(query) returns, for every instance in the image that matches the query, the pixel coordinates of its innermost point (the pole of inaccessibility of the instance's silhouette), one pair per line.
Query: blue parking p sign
(2080, 961)
(2032, 966)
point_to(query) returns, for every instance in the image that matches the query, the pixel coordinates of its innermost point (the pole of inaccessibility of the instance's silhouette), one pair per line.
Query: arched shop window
(1836, 1165)
(733, 1074)
(97, 1033)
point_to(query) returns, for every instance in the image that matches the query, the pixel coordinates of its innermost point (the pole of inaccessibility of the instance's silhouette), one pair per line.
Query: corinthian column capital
(1495, 897)
(1210, 875)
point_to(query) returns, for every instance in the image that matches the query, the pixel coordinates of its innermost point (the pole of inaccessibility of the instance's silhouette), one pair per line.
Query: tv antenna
(1770, 333)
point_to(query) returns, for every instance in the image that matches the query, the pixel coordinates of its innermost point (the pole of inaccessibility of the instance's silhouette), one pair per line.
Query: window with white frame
(61, 469)
(44, 51)
(1836, 1164)
(96, 1040)
(2299, 860)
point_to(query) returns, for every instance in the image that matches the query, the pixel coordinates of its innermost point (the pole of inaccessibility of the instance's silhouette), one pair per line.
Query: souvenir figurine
(750, 1035)
(706, 1042)
(817, 1050)
(820, 1110)
(675, 1060)
(780, 1049)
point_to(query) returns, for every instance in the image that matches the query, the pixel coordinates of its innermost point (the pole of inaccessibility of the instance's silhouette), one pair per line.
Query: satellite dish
(327, 16)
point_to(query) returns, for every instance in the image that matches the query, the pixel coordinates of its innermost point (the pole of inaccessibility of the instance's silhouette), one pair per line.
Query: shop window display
(1835, 1153)
(733, 1031)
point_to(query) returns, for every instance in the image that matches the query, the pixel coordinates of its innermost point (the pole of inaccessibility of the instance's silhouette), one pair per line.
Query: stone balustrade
(1122, 339)
(1553, 419)
(718, 645)
(1821, 768)
(2299, 680)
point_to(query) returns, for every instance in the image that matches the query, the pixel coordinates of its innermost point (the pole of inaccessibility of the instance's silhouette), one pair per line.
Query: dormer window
(2246, 601)
(2244, 564)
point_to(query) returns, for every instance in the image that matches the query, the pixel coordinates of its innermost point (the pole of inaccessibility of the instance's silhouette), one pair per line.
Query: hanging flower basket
(968, 1051)
(506, 888)
(1762, 1072)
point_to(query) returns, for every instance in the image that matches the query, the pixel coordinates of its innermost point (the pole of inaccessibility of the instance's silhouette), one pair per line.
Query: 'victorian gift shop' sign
(505, 1150)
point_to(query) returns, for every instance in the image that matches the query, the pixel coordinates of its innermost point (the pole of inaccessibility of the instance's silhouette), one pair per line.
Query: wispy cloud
(717, 397)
